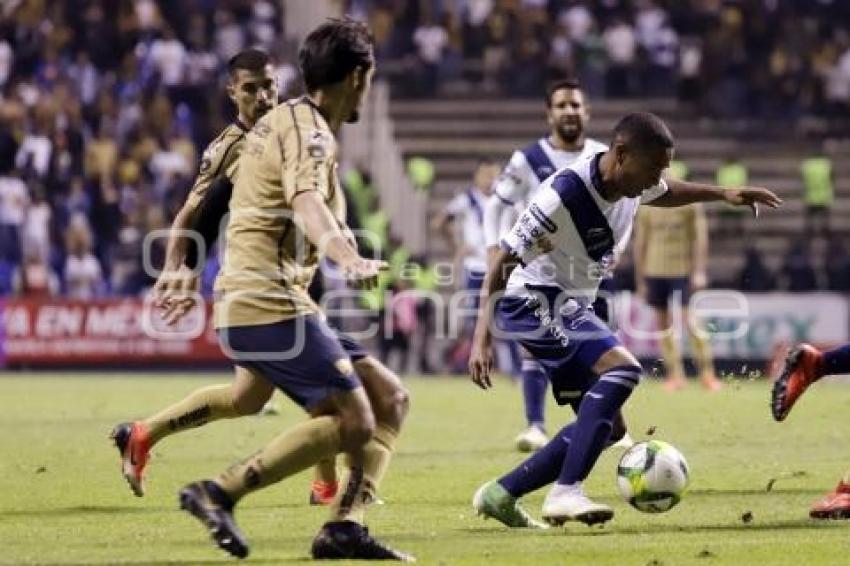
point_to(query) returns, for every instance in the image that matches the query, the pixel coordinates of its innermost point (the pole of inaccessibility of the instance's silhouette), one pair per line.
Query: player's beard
(353, 117)
(569, 134)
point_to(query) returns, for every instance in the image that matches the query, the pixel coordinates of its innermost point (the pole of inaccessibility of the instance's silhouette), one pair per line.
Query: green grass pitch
(63, 501)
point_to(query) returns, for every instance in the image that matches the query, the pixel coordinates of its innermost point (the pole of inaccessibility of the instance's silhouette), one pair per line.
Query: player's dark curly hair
(643, 129)
(333, 50)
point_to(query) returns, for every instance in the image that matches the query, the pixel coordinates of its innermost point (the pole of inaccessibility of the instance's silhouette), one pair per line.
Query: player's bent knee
(356, 432)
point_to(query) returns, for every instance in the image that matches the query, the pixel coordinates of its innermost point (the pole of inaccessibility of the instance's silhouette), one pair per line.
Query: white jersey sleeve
(457, 205)
(516, 180)
(655, 192)
(531, 235)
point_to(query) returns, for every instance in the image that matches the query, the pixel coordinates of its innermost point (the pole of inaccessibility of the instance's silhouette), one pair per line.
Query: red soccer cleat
(802, 368)
(322, 493)
(835, 505)
(133, 443)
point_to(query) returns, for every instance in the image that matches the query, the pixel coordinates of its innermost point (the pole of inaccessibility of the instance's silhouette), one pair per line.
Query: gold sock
(293, 451)
(326, 471)
(672, 356)
(359, 485)
(702, 354)
(200, 407)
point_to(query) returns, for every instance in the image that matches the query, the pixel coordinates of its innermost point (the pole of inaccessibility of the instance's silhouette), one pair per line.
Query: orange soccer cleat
(802, 368)
(834, 505)
(133, 443)
(322, 493)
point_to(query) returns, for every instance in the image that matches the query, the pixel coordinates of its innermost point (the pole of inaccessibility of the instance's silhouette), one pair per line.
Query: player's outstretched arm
(681, 193)
(481, 358)
(175, 287)
(321, 228)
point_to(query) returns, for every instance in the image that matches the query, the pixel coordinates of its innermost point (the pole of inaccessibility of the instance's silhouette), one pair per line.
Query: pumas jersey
(569, 236)
(219, 158)
(268, 262)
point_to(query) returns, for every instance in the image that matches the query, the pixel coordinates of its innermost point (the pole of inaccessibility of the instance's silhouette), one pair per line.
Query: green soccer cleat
(493, 501)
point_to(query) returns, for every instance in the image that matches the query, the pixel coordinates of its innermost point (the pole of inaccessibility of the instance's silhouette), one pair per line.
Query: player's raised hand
(173, 283)
(174, 292)
(481, 361)
(752, 197)
(362, 273)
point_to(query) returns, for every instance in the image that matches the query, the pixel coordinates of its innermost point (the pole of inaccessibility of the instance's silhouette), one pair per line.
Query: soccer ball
(652, 476)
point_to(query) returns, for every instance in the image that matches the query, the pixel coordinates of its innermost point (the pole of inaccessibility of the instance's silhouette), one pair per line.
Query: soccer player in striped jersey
(567, 115)
(547, 271)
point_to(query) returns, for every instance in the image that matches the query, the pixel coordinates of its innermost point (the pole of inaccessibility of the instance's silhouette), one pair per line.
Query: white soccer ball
(653, 476)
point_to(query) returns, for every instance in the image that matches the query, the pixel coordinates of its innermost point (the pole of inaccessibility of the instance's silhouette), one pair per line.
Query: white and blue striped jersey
(569, 236)
(531, 165)
(467, 208)
(526, 171)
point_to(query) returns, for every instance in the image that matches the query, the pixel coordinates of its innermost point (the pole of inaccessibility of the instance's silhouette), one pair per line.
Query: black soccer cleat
(210, 506)
(349, 540)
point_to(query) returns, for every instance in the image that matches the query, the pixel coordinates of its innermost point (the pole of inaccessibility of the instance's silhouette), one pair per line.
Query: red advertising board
(103, 332)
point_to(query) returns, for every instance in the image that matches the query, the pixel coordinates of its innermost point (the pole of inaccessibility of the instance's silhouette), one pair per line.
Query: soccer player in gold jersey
(671, 253)
(252, 89)
(287, 210)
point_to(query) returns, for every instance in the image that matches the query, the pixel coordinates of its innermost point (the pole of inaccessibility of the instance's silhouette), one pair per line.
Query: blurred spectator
(755, 276)
(818, 196)
(36, 226)
(82, 274)
(732, 173)
(168, 56)
(34, 278)
(14, 200)
(837, 266)
(797, 268)
(431, 40)
(621, 47)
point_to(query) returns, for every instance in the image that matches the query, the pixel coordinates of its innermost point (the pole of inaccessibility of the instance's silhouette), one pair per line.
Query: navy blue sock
(539, 469)
(595, 419)
(534, 385)
(836, 361)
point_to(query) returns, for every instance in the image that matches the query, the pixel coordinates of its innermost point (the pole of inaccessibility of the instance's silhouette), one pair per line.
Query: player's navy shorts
(303, 357)
(567, 344)
(660, 289)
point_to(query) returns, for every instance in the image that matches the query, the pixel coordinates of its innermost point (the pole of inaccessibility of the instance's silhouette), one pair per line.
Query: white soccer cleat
(531, 440)
(626, 442)
(561, 506)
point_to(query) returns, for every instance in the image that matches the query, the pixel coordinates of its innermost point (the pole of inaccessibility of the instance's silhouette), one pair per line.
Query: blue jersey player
(543, 280)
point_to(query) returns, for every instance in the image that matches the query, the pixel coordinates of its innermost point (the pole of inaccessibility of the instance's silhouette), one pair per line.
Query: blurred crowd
(730, 58)
(105, 107)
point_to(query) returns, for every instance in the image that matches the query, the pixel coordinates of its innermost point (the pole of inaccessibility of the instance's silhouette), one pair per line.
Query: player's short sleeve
(654, 193)
(532, 233)
(512, 185)
(457, 205)
(309, 151)
(219, 158)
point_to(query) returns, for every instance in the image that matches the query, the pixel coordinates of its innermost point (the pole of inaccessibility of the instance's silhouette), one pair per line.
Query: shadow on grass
(577, 530)
(222, 560)
(82, 510)
(777, 490)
